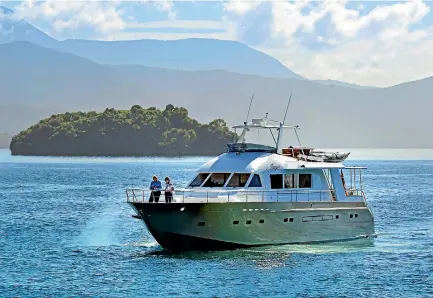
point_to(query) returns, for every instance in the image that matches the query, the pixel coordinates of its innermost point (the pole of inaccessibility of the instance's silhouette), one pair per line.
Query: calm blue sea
(66, 230)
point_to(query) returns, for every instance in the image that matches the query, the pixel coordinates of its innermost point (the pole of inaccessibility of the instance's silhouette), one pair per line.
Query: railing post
(207, 197)
(246, 197)
(228, 197)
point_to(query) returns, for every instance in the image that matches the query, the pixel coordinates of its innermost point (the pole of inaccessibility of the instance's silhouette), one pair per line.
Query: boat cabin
(255, 172)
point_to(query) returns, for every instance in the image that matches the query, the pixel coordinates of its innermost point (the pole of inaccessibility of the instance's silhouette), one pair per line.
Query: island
(135, 132)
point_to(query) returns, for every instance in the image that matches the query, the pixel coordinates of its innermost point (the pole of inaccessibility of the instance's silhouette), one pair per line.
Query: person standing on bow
(168, 190)
(155, 188)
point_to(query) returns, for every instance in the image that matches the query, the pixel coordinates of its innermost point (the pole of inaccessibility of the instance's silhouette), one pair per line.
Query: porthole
(261, 221)
(351, 215)
(286, 220)
(201, 223)
(235, 222)
(337, 216)
(356, 215)
(248, 222)
(291, 219)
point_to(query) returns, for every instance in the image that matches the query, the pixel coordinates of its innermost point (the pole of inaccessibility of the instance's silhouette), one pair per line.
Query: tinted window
(304, 180)
(255, 181)
(217, 180)
(276, 181)
(238, 180)
(199, 179)
(289, 181)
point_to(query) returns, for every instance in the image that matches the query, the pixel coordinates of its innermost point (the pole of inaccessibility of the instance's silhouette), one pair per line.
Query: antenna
(249, 109)
(285, 115)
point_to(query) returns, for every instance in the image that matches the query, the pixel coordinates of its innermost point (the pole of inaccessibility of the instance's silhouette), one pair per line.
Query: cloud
(184, 29)
(166, 6)
(101, 16)
(328, 40)
(240, 8)
(184, 24)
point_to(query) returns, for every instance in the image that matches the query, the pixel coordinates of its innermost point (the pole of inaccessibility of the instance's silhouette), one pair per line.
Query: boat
(254, 194)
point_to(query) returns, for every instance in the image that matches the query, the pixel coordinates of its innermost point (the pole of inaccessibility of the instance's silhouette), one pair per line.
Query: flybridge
(275, 128)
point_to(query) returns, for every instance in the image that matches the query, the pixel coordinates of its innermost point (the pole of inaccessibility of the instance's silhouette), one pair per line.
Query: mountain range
(36, 82)
(40, 76)
(184, 54)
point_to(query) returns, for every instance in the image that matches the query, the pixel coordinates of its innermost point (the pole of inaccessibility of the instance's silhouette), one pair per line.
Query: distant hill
(184, 54)
(12, 30)
(37, 82)
(134, 132)
(5, 140)
(342, 84)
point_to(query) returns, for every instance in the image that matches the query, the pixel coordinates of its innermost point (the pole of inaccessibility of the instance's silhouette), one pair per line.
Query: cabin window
(255, 181)
(199, 179)
(304, 180)
(238, 180)
(289, 181)
(276, 181)
(217, 180)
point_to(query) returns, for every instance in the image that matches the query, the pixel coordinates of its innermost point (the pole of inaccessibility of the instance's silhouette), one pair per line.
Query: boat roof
(257, 162)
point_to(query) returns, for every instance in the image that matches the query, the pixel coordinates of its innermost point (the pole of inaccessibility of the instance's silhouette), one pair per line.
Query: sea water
(66, 230)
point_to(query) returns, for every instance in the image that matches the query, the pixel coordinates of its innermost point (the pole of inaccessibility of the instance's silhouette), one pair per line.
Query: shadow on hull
(178, 243)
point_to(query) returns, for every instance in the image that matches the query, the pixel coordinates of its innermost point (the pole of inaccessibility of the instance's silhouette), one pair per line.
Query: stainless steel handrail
(142, 195)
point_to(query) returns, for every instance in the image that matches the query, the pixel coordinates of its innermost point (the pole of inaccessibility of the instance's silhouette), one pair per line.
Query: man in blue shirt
(155, 187)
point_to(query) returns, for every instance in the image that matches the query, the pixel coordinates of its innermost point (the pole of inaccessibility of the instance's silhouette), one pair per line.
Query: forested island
(135, 132)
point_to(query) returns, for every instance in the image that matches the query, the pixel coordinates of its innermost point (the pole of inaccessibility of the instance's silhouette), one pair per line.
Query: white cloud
(102, 16)
(375, 48)
(164, 6)
(183, 24)
(226, 31)
(242, 7)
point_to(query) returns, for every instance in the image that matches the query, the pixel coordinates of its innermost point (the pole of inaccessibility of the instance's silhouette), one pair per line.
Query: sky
(362, 42)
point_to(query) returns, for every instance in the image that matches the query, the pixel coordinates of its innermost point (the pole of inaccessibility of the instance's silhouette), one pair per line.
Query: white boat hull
(209, 226)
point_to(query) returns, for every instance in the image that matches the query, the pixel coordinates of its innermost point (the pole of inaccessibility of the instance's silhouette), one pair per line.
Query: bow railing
(230, 196)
